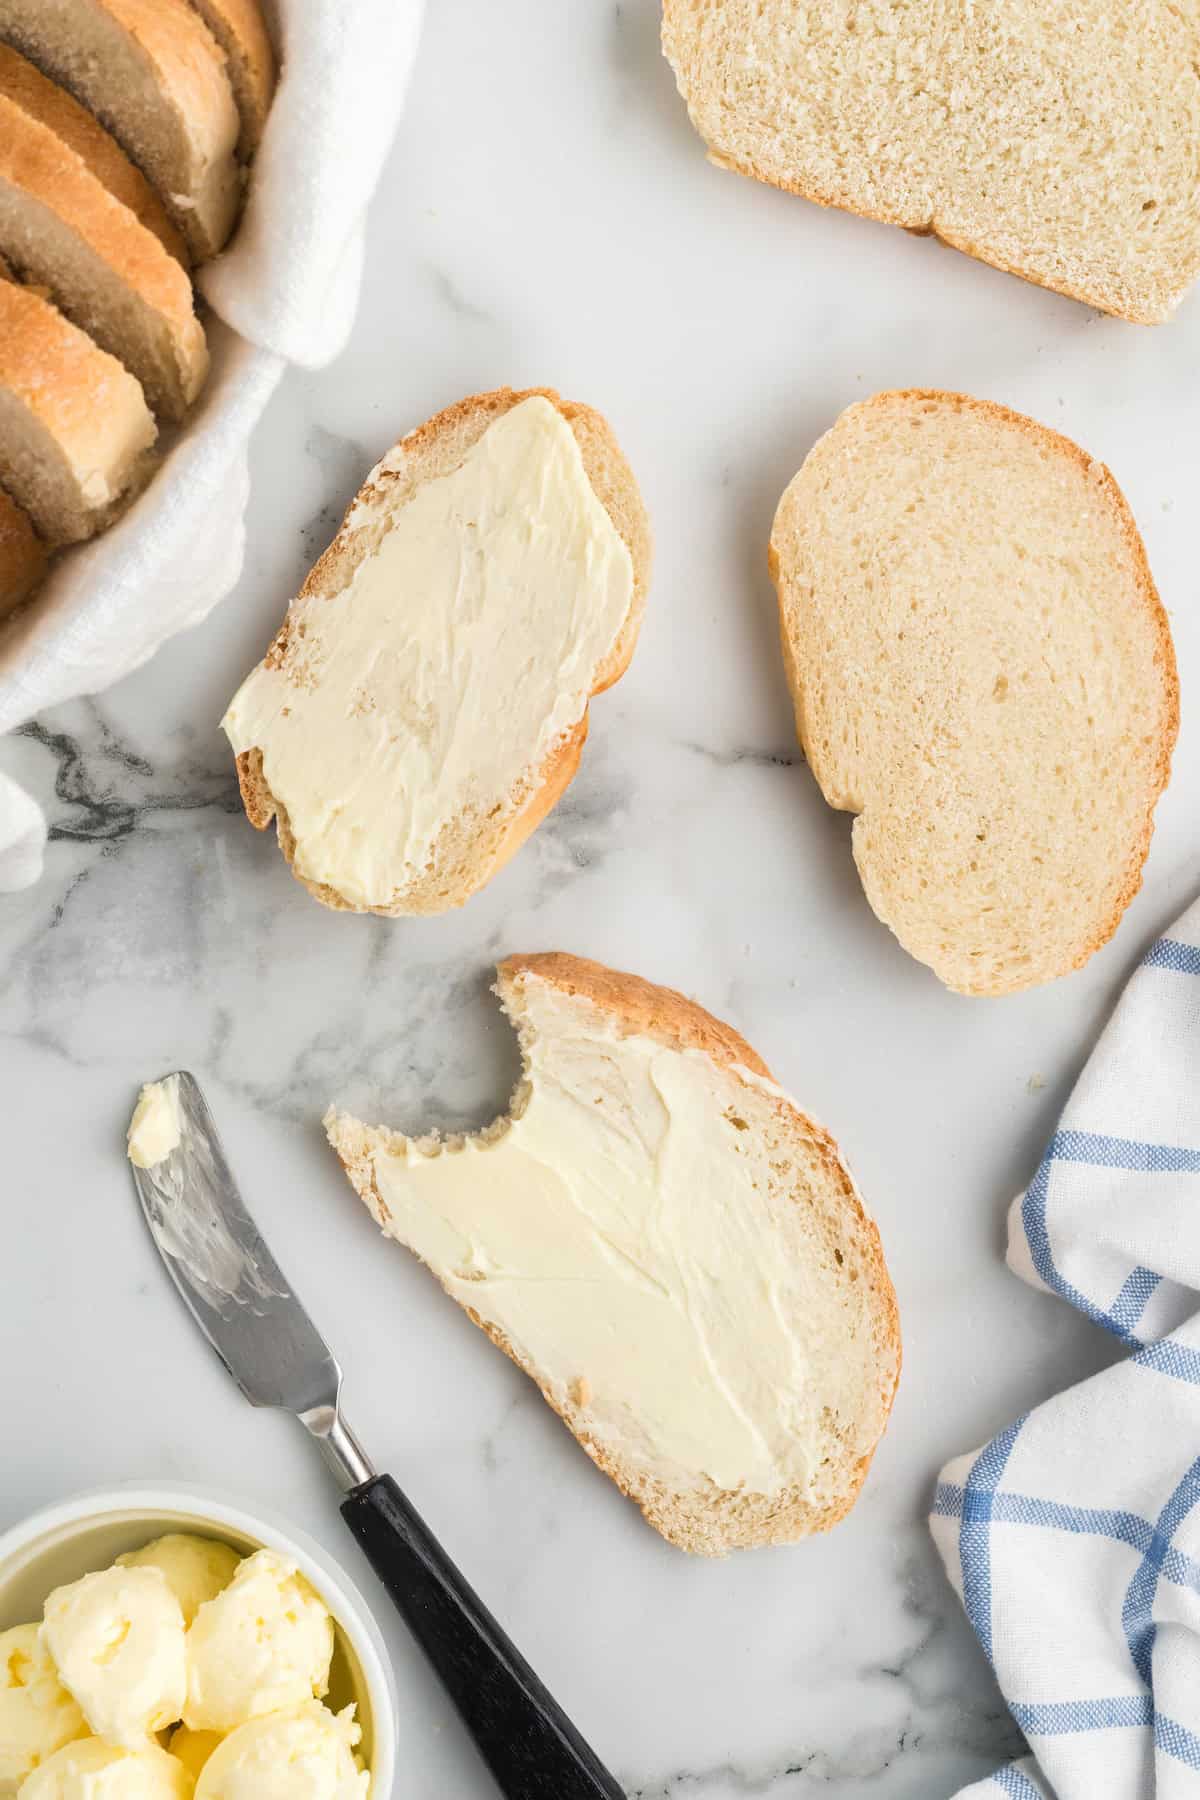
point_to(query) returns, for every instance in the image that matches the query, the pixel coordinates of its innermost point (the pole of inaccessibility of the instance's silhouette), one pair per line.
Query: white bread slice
(983, 673)
(53, 107)
(22, 556)
(669, 1247)
(474, 832)
(75, 433)
(151, 71)
(62, 229)
(239, 28)
(1058, 141)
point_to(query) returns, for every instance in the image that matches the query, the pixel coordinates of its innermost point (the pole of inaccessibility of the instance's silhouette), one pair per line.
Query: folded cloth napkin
(284, 292)
(1073, 1537)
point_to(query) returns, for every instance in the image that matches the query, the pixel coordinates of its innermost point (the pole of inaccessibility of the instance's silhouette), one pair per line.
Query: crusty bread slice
(673, 1251)
(1055, 139)
(239, 28)
(62, 229)
(75, 433)
(983, 673)
(480, 835)
(151, 71)
(22, 555)
(53, 107)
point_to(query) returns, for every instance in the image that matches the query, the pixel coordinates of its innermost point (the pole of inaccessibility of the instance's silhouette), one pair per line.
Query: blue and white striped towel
(1074, 1537)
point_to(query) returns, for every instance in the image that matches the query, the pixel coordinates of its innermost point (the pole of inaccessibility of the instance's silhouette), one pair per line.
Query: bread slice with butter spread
(983, 674)
(669, 1247)
(426, 701)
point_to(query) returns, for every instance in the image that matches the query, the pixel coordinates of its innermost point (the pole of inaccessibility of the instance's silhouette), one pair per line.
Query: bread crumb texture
(982, 671)
(1055, 139)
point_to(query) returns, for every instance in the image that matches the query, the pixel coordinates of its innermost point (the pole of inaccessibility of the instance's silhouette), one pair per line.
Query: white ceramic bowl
(87, 1532)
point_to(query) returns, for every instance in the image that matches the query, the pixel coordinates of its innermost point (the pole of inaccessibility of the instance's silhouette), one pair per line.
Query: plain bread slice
(240, 29)
(151, 71)
(983, 673)
(62, 229)
(53, 107)
(75, 434)
(22, 555)
(1056, 139)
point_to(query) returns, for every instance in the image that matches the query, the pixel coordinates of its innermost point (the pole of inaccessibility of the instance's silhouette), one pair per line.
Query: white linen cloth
(284, 292)
(1073, 1538)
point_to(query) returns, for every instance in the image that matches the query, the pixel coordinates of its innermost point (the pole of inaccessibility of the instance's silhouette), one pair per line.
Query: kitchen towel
(1073, 1538)
(284, 292)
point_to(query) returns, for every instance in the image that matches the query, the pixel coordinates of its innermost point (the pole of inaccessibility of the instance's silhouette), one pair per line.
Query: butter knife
(242, 1301)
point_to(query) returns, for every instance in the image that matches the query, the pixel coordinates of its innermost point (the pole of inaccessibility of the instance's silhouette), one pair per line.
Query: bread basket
(285, 292)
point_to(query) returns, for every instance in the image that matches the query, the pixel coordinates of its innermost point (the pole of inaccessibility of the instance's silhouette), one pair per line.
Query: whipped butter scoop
(94, 1770)
(304, 1752)
(37, 1715)
(182, 1628)
(116, 1638)
(265, 1642)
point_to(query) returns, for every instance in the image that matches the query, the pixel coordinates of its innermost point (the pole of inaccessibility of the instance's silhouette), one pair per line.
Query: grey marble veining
(547, 217)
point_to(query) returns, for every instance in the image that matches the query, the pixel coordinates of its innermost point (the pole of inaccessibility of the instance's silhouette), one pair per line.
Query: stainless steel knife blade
(234, 1288)
(244, 1304)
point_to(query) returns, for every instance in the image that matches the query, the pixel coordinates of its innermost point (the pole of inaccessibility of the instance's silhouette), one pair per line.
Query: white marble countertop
(548, 217)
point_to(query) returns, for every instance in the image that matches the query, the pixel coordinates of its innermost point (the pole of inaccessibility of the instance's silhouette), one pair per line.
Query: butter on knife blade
(154, 1128)
(235, 1290)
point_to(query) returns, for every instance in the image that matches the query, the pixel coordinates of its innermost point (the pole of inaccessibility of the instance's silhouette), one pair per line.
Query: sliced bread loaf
(75, 433)
(982, 672)
(1056, 139)
(53, 107)
(61, 228)
(22, 555)
(673, 1251)
(239, 28)
(151, 71)
(425, 702)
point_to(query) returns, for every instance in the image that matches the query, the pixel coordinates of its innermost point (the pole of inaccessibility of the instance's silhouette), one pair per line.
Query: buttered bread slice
(425, 703)
(673, 1251)
(983, 673)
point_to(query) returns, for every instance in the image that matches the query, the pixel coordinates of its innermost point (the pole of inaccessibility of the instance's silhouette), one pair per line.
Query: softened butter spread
(462, 649)
(118, 1642)
(154, 1128)
(625, 1233)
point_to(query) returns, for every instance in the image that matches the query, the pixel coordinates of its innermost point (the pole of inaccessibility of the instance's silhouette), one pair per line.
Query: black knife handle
(527, 1741)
